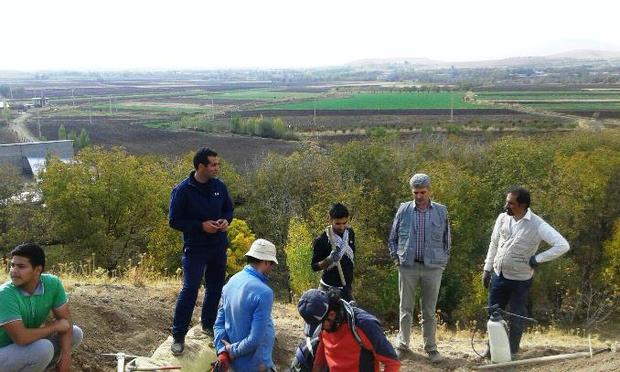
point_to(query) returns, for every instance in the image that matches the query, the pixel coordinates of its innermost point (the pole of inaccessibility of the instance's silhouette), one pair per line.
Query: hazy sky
(131, 34)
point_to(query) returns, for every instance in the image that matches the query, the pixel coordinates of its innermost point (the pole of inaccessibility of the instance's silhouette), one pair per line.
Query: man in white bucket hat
(244, 333)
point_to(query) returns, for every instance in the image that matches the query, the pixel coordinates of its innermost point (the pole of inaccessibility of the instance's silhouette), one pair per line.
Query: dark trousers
(209, 263)
(514, 292)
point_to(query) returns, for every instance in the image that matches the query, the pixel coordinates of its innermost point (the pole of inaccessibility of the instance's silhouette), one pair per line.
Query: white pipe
(536, 360)
(120, 362)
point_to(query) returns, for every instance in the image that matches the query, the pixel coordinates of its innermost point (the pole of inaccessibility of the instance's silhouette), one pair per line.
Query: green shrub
(299, 256)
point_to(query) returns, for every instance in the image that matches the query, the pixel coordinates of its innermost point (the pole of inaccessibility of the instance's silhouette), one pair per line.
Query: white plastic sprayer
(497, 332)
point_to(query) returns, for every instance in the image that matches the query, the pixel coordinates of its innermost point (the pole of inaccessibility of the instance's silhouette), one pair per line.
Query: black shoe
(177, 347)
(434, 356)
(208, 331)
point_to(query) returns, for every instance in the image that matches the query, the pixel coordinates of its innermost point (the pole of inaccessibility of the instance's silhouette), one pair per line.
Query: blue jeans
(36, 356)
(504, 291)
(197, 263)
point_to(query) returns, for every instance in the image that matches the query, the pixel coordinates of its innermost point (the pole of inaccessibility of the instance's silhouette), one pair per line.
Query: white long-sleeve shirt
(514, 242)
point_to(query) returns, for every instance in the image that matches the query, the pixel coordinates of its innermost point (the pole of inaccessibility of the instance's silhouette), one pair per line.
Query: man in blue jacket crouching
(244, 332)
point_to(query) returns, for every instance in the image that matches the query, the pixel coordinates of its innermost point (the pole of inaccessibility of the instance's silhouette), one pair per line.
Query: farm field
(258, 95)
(164, 107)
(158, 116)
(550, 95)
(383, 101)
(561, 101)
(130, 133)
(408, 120)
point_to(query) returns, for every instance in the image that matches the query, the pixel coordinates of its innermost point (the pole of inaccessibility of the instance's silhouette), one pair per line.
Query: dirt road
(18, 125)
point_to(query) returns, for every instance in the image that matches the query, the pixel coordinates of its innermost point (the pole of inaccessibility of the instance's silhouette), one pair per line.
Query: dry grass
(139, 274)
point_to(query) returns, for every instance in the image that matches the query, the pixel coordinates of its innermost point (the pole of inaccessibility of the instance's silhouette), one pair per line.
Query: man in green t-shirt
(27, 343)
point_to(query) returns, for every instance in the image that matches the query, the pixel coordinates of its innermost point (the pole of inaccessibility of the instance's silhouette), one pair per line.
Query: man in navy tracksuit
(201, 208)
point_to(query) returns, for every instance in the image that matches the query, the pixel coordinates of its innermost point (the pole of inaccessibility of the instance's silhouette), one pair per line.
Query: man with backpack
(350, 339)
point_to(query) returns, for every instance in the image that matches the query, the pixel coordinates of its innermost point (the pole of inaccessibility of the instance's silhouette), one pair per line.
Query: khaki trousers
(430, 281)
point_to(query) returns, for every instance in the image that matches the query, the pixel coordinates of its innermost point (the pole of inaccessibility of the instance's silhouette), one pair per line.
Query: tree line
(114, 205)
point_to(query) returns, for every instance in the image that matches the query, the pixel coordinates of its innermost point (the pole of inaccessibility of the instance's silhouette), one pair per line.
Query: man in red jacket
(351, 338)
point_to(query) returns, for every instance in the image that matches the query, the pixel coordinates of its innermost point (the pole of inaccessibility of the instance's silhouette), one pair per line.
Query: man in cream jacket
(511, 258)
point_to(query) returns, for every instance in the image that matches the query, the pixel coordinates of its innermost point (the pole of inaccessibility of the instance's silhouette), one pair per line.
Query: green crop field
(383, 101)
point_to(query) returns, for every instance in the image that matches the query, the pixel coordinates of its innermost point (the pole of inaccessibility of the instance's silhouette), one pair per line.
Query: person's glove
(486, 278)
(533, 263)
(222, 364)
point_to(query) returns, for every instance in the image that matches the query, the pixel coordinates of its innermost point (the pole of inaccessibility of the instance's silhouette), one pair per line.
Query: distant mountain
(381, 62)
(587, 54)
(564, 58)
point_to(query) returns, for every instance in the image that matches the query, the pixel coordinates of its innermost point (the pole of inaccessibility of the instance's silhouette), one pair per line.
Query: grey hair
(420, 180)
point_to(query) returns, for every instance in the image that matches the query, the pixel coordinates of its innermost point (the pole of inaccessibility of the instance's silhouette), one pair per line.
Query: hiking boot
(208, 331)
(177, 347)
(434, 356)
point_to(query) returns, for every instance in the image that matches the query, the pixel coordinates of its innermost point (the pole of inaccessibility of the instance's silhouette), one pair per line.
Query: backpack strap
(351, 320)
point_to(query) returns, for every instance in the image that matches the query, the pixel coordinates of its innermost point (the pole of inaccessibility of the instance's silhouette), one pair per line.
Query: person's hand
(533, 263)
(486, 278)
(223, 361)
(64, 363)
(62, 326)
(210, 226)
(228, 349)
(223, 224)
(325, 263)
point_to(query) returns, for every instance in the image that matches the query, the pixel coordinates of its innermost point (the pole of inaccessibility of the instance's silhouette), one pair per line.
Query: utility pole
(451, 108)
(314, 115)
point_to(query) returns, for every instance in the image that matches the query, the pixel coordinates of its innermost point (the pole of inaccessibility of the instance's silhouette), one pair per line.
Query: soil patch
(136, 320)
(242, 151)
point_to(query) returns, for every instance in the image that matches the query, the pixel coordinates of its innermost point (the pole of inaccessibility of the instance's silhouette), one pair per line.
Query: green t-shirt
(32, 310)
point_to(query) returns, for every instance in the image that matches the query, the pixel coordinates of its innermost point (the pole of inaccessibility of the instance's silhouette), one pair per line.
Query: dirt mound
(136, 320)
(119, 319)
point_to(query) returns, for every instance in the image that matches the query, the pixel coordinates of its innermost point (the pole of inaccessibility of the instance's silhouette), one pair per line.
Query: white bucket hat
(263, 249)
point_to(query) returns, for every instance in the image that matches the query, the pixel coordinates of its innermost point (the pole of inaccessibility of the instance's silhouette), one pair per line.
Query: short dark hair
(522, 194)
(338, 210)
(252, 260)
(33, 252)
(202, 156)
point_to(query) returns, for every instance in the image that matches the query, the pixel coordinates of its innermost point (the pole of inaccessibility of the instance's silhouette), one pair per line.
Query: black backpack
(305, 351)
